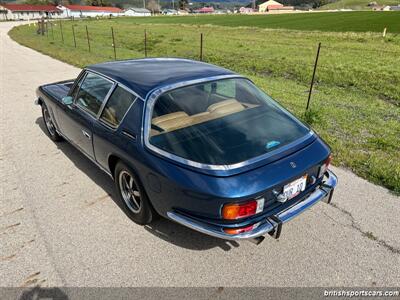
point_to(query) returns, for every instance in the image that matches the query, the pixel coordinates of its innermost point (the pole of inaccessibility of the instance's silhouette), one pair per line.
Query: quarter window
(117, 106)
(92, 93)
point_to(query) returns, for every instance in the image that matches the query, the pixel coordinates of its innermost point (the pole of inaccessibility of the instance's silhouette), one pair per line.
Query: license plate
(295, 187)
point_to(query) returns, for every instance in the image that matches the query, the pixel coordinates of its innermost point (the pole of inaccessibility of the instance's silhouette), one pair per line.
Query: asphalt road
(60, 223)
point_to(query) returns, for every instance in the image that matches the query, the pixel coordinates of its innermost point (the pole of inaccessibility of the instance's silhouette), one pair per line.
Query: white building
(84, 11)
(137, 12)
(28, 12)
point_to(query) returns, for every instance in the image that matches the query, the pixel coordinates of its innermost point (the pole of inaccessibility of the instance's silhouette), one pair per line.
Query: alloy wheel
(48, 121)
(129, 191)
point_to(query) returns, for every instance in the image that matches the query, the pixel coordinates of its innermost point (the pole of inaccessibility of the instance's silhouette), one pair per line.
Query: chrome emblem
(293, 164)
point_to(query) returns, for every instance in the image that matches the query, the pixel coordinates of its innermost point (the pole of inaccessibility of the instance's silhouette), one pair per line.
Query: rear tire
(133, 196)
(48, 122)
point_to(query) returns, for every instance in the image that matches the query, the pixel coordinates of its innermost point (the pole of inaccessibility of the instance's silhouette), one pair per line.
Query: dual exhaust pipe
(276, 232)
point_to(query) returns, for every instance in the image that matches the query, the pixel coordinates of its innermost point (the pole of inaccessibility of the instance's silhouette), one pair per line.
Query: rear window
(221, 122)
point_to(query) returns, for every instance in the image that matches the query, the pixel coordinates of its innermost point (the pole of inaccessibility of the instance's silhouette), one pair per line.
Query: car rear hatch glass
(225, 122)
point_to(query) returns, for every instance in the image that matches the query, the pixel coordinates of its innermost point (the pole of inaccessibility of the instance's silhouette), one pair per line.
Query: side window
(117, 106)
(92, 92)
(226, 88)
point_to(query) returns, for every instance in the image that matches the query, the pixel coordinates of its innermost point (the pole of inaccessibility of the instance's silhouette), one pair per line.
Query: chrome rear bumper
(271, 224)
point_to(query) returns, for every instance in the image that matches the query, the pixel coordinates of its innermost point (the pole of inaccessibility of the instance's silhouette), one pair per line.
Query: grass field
(356, 4)
(332, 21)
(356, 103)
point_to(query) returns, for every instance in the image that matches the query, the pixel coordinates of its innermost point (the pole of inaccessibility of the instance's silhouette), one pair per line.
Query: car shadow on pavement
(162, 228)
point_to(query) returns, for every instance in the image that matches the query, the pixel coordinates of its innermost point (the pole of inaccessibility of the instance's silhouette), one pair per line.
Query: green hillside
(357, 4)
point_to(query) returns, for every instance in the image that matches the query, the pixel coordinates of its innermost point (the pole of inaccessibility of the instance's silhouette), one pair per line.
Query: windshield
(221, 122)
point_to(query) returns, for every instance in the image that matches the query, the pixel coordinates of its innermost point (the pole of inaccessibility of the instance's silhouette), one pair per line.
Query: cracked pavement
(60, 224)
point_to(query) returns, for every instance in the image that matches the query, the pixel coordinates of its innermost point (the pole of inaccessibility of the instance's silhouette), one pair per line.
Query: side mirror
(68, 100)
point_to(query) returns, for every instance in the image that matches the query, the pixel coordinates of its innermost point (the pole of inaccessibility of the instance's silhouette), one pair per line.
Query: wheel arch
(113, 160)
(112, 163)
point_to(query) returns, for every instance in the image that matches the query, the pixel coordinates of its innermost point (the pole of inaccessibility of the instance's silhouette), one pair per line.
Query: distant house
(222, 11)
(83, 11)
(169, 12)
(205, 10)
(246, 10)
(137, 12)
(396, 8)
(28, 12)
(272, 5)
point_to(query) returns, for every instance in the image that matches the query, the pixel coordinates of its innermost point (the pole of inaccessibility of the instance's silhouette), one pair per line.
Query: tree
(98, 2)
(153, 6)
(183, 4)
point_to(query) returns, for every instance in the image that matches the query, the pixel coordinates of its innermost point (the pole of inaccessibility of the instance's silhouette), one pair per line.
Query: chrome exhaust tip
(257, 240)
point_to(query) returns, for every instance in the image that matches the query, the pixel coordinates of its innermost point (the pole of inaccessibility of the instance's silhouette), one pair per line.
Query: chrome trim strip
(285, 216)
(150, 101)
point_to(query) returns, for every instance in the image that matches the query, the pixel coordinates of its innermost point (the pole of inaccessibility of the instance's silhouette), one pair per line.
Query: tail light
(325, 166)
(235, 211)
(238, 230)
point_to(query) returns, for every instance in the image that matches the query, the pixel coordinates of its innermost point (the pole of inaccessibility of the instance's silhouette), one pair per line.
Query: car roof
(147, 74)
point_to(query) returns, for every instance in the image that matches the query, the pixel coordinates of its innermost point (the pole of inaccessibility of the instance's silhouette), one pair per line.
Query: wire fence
(303, 64)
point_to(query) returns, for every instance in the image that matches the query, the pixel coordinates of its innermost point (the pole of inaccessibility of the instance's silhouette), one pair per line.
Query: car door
(76, 120)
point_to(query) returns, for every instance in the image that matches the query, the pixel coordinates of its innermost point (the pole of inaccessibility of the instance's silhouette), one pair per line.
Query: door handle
(86, 134)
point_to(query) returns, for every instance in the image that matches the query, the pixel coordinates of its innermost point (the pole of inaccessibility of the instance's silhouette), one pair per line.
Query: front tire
(133, 196)
(48, 122)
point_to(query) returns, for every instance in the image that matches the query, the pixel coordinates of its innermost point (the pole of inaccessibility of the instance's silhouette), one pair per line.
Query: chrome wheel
(129, 191)
(48, 121)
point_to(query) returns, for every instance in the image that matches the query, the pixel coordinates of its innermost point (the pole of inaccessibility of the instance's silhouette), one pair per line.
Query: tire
(132, 195)
(48, 122)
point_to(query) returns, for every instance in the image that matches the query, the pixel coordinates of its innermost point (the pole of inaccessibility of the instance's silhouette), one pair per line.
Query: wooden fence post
(62, 34)
(201, 46)
(42, 26)
(145, 43)
(52, 31)
(113, 42)
(73, 34)
(87, 37)
(313, 77)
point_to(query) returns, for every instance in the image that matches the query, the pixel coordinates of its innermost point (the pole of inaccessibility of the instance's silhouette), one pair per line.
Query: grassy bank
(356, 104)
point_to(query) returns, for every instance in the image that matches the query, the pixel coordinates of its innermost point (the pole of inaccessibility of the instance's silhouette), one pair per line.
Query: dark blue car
(192, 142)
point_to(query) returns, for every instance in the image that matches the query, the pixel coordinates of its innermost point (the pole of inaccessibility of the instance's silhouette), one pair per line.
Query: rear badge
(272, 144)
(293, 164)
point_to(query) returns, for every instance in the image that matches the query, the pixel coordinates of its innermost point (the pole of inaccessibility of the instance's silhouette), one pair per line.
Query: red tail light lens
(328, 161)
(238, 230)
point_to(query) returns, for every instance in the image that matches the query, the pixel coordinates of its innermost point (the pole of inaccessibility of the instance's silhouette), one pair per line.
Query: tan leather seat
(180, 119)
(226, 107)
(172, 121)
